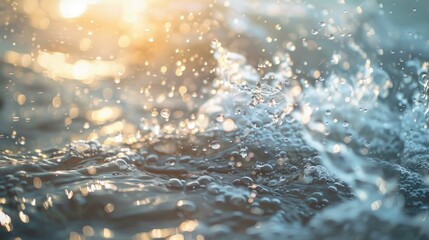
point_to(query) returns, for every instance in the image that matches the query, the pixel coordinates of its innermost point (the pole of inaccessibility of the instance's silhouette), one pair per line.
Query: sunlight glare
(72, 8)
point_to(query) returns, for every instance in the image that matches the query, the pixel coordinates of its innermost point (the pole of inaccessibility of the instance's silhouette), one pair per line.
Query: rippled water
(214, 119)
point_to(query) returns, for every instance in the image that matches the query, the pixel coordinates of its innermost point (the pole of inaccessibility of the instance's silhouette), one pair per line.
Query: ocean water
(219, 119)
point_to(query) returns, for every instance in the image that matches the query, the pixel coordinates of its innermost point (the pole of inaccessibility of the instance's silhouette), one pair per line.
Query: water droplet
(22, 140)
(246, 180)
(175, 183)
(290, 46)
(267, 168)
(152, 158)
(215, 145)
(165, 113)
(192, 185)
(220, 118)
(312, 202)
(122, 165)
(205, 179)
(186, 207)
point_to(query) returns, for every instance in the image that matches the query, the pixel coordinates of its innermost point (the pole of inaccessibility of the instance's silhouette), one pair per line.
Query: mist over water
(214, 120)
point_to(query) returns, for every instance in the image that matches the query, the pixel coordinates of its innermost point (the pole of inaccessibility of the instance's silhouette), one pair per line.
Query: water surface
(214, 119)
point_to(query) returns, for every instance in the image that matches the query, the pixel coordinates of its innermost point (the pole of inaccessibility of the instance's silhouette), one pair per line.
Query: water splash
(304, 123)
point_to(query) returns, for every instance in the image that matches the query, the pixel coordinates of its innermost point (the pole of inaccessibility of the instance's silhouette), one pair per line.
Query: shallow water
(214, 120)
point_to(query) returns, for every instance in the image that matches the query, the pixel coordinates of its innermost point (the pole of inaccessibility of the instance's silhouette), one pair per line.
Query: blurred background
(106, 69)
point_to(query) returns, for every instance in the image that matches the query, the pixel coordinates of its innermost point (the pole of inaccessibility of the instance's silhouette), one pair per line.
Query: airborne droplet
(215, 145)
(165, 113)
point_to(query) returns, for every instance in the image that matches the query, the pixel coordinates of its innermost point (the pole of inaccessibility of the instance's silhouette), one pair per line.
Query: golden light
(82, 70)
(104, 115)
(127, 16)
(132, 10)
(5, 220)
(56, 64)
(376, 205)
(337, 148)
(107, 233)
(72, 8)
(129, 11)
(229, 125)
(188, 225)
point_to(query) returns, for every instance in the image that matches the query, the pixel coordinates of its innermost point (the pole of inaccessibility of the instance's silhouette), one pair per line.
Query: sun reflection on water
(123, 20)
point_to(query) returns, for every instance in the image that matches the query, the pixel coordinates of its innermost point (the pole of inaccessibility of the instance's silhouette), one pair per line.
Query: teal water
(215, 120)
